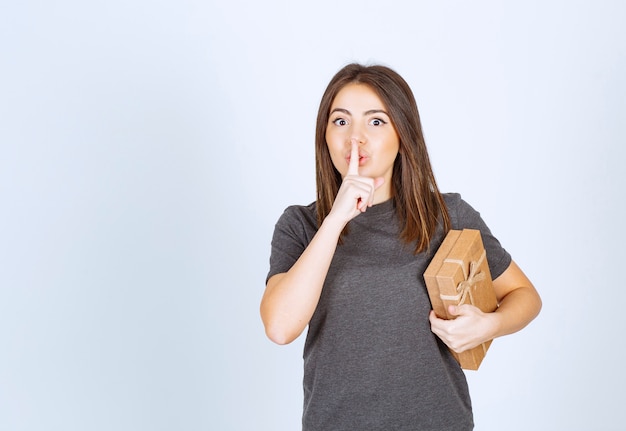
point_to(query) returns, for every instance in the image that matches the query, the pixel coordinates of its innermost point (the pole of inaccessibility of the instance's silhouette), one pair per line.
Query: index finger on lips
(353, 167)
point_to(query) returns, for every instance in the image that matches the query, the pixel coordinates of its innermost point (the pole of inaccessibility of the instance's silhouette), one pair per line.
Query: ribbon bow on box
(464, 288)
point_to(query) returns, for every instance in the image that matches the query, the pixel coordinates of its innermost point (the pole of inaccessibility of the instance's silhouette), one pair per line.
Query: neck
(383, 193)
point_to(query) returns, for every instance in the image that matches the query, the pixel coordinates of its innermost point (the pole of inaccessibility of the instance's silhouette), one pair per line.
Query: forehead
(357, 96)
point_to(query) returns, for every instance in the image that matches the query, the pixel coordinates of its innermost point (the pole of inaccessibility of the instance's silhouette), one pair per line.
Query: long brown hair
(418, 203)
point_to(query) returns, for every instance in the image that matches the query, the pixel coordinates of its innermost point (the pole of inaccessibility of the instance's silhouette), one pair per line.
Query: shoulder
(459, 210)
(452, 200)
(303, 213)
(298, 220)
(464, 216)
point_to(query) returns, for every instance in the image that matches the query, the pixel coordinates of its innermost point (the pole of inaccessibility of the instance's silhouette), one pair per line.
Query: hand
(356, 193)
(470, 328)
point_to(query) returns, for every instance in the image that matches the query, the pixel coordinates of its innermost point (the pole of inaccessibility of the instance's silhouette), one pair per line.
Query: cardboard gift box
(459, 274)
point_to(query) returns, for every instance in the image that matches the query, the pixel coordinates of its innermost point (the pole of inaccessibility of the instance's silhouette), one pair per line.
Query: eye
(340, 122)
(377, 122)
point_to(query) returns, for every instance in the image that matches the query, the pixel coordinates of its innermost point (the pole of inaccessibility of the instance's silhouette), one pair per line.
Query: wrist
(496, 324)
(334, 224)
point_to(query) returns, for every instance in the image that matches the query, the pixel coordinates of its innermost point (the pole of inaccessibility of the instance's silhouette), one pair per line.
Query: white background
(148, 147)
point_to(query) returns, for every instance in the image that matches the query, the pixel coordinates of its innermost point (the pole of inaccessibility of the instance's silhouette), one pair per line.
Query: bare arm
(519, 301)
(519, 304)
(290, 298)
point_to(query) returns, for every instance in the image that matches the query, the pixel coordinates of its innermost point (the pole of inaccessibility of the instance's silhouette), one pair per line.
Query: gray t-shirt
(371, 361)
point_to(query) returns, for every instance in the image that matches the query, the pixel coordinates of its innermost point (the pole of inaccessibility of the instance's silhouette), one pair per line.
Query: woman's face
(358, 113)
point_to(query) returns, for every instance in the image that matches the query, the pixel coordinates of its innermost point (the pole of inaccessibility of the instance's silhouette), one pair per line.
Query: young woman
(349, 266)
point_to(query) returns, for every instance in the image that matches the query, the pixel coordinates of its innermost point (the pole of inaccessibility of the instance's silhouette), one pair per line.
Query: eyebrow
(368, 112)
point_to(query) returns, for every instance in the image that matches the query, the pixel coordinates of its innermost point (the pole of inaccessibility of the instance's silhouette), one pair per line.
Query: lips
(363, 158)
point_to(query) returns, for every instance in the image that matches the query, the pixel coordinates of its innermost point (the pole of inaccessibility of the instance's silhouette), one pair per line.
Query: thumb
(378, 182)
(454, 310)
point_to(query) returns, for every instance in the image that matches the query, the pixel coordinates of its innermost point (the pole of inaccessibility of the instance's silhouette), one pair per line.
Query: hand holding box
(459, 274)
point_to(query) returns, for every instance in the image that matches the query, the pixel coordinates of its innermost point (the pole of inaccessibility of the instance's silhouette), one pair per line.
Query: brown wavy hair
(418, 203)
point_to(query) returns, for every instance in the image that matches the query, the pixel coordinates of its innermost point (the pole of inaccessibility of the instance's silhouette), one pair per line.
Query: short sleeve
(292, 234)
(464, 216)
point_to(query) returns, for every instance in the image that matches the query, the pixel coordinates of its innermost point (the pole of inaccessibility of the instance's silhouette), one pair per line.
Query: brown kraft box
(459, 274)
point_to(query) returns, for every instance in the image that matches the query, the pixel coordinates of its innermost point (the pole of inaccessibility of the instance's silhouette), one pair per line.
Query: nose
(357, 133)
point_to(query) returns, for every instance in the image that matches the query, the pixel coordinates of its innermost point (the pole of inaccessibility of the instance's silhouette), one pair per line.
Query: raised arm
(290, 298)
